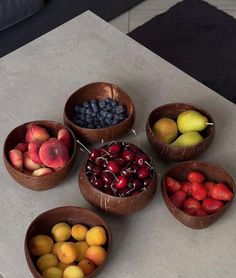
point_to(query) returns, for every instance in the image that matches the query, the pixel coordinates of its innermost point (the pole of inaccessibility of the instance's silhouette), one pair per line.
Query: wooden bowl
(112, 204)
(27, 180)
(212, 173)
(99, 90)
(173, 153)
(71, 215)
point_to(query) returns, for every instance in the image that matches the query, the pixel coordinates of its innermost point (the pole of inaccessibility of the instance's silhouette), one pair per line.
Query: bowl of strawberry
(118, 178)
(197, 193)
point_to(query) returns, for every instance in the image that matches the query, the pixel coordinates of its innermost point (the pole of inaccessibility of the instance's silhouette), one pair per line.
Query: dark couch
(53, 14)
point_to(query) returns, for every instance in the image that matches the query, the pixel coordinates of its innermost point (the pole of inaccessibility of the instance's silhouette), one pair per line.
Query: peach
(79, 232)
(29, 164)
(67, 253)
(56, 247)
(23, 147)
(96, 254)
(33, 150)
(65, 137)
(87, 266)
(42, 172)
(16, 159)
(52, 272)
(82, 247)
(61, 231)
(96, 236)
(46, 261)
(63, 266)
(36, 133)
(54, 154)
(40, 245)
(73, 272)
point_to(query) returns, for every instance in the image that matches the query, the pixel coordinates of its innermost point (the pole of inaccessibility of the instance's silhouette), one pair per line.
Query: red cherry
(95, 153)
(113, 166)
(97, 171)
(115, 148)
(120, 161)
(127, 155)
(141, 159)
(121, 182)
(147, 181)
(143, 173)
(98, 184)
(89, 166)
(126, 173)
(137, 184)
(107, 177)
(101, 162)
(134, 169)
(134, 149)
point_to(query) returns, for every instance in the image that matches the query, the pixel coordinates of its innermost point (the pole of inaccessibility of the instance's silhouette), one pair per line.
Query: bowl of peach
(197, 193)
(118, 178)
(67, 242)
(40, 154)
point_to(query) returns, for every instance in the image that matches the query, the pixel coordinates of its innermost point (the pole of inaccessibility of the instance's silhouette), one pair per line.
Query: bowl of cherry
(99, 112)
(118, 178)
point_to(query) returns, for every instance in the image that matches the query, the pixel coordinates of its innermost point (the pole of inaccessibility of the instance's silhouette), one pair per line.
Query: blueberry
(89, 119)
(98, 126)
(102, 104)
(93, 114)
(108, 107)
(96, 121)
(121, 117)
(107, 100)
(115, 116)
(120, 109)
(102, 123)
(109, 116)
(93, 101)
(108, 121)
(86, 104)
(89, 111)
(77, 108)
(90, 126)
(80, 123)
(103, 113)
(113, 110)
(82, 117)
(113, 103)
(82, 110)
(114, 122)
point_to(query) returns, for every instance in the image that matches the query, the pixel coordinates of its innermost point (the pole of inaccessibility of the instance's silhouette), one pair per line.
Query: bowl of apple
(118, 178)
(40, 154)
(180, 131)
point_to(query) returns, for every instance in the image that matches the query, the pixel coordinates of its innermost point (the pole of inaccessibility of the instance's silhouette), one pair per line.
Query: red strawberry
(200, 212)
(196, 176)
(187, 187)
(192, 205)
(209, 185)
(210, 205)
(178, 198)
(172, 185)
(199, 191)
(222, 192)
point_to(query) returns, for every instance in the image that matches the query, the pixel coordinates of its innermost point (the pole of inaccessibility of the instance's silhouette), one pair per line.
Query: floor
(150, 8)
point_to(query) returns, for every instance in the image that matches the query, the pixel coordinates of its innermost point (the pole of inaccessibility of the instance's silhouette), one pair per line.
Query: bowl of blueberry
(118, 178)
(99, 112)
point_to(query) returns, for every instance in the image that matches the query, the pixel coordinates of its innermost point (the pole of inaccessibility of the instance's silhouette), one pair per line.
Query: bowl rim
(174, 148)
(5, 155)
(107, 229)
(130, 116)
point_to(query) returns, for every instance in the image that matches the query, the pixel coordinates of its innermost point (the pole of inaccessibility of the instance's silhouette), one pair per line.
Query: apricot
(82, 247)
(29, 164)
(52, 272)
(79, 232)
(67, 253)
(40, 245)
(16, 159)
(56, 247)
(65, 137)
(73, 272)
(61, 231)
(36, 133)
(63, 266)
(33, 150)
(42, 172)
(87, 266)
(96, 254)
(54, 153)
(46, 261)
(96, 236)
(23, 147)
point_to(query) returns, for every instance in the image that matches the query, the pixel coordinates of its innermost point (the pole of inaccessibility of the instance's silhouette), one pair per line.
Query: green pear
(165, 129)
(187, 139)
(191, 120)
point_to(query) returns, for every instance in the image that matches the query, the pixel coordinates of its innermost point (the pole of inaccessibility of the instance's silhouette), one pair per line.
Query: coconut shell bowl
(40, 154)
(101, 133)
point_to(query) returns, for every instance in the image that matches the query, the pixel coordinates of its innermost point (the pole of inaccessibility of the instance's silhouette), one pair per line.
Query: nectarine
(29, 164)
(42, 172)
(33, 150)
(23, 147)
(16, 159)
(65, 137)
(36, 133)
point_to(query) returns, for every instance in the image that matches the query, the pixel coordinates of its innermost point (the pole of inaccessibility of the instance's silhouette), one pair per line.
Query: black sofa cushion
(14, 11)
(55, 13)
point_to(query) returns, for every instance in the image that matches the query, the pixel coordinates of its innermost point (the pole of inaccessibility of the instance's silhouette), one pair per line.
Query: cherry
(134, 149)
(98, 183)
(121, 182)
(143, 173)
(114, 155)
(128, 155)
(141, 159)
(147, 181)
(108, 191)
(124, 192)
(89, 166)
(101, 162)
(95, 153)
(120, 161)
(126, 173)
(97, 171)
(107, 178)
(115, 148)
(113, 166)
(137, 184)
(92, 180)
(134, 169)
(104, 152)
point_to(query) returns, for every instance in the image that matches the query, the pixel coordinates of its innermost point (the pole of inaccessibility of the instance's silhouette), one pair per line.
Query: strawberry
(196, 176)
(187, 187)
(199, 191)
(209, 185)
(221, 192)
(172, 185)
(178, 198)
(200, 212)
(210, 205)
(191, 205)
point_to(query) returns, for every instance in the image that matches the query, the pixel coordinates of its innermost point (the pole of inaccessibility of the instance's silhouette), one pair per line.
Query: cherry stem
(106, 152)
(132, 189)
(150, 166)
(112, 174)
(102, 157)
(87, 150)
(112, 142)
(209, 123)
(113, 188)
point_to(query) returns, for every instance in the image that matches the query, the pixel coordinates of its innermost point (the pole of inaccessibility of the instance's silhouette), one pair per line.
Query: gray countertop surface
(35, 82)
